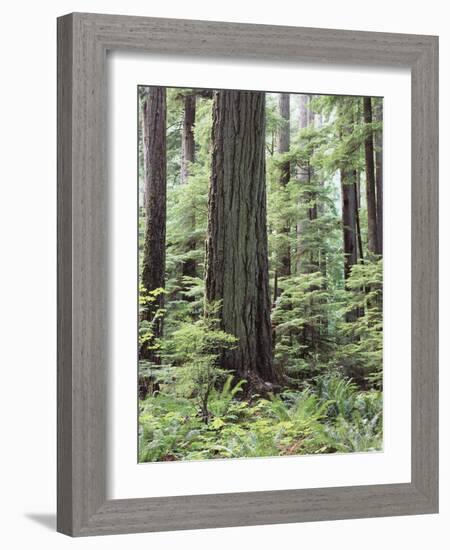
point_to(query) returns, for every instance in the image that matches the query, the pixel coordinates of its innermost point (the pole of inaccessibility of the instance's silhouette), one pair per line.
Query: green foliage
(222, 399)
(315, 420)
(302, 317)
(195, 349)
(362, 349)
(146, 332)
(187, 218)
(327, 330)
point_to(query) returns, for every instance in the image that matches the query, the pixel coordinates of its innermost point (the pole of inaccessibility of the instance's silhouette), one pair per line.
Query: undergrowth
(328, 416)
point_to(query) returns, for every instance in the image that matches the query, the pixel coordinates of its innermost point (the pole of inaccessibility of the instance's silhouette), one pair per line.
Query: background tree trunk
(154, 254)
(320, 207)
(187, 138)
(284, 264)
(237, 271)
(312, 196)
(378, 142)
(187, 158)
(370, 181)
(357, 218)
(304, 175)
(349, 226)
(303, 111)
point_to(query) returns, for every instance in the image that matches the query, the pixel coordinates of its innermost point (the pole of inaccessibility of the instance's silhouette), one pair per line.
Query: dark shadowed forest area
(260, 261)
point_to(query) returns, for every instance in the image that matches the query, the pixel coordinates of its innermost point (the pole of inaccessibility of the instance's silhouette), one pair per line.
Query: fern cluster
(330, 416)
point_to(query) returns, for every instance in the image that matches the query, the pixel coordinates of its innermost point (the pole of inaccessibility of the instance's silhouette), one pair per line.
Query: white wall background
(28, 273)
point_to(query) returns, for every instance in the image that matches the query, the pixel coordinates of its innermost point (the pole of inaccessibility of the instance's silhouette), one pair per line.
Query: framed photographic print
(247, 274)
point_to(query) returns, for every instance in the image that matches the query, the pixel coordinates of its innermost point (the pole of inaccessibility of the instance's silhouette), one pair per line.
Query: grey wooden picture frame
(83, 41)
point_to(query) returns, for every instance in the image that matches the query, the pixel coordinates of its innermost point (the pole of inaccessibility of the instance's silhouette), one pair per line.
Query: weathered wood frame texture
(83, 40)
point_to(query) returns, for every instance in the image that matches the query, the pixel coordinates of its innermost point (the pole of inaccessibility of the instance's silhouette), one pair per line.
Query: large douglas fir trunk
(237, 272)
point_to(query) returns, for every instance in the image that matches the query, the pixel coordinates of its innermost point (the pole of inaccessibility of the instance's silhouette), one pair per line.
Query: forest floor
(332, 417)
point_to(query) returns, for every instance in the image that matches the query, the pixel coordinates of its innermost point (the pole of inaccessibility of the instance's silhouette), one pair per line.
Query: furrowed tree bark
(187, 159)
(237, 272)
(153, 264)
(370, 181)
(378, 142)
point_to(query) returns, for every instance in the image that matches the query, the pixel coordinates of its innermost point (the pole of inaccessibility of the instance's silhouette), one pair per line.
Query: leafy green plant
(338, 392)
(222, 398)
(146, 333)
(302, 317)
(196, 347)
(362, 350)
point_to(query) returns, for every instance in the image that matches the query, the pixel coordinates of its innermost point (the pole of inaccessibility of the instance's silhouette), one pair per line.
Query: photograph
(230, 220)
(260, 274)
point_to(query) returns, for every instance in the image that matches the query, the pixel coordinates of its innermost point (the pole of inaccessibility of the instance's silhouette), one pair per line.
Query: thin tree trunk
(303, 111)
(153, 265)
(283, 145)
(312, 197)
(187, 138)
(237, 271)
(187, 159)
(303, 176)
(370, 181)
(378, 142)
(311, 114)
(284, 136)
(321, 260)
(283, 254)
(357, 207)
(312, 215)
(358, 187)
(349, 227)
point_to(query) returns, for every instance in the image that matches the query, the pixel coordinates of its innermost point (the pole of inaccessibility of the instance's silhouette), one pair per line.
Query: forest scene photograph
(260, 274)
